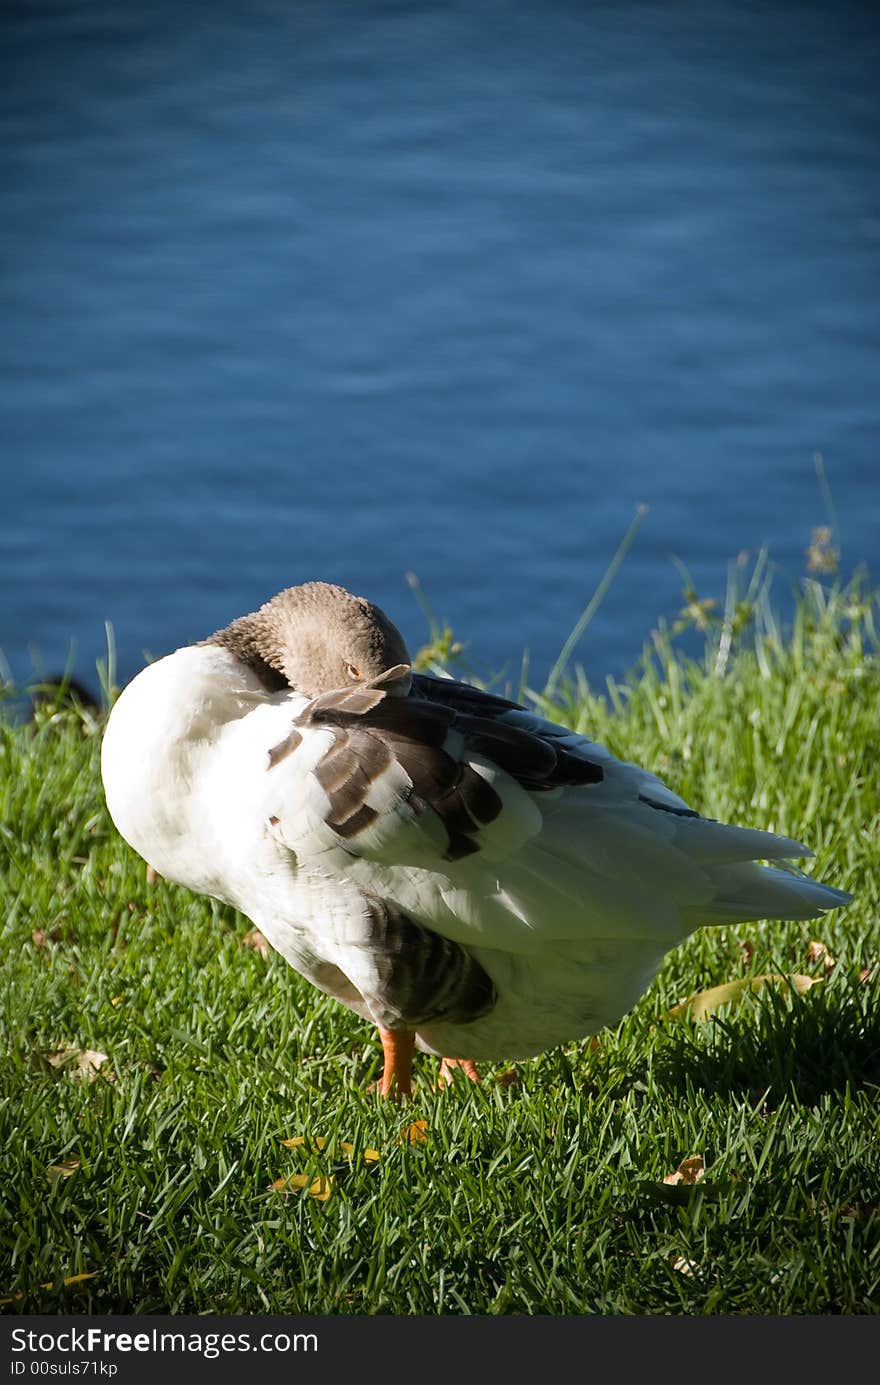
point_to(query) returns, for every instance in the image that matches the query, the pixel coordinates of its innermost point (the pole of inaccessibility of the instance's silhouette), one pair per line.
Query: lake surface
(349, 290)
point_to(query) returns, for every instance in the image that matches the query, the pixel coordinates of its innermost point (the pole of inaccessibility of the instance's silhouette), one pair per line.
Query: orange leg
(467, 1065)
(398, 1046)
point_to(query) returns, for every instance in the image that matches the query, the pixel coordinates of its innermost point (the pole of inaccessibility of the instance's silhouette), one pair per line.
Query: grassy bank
(148, 1167)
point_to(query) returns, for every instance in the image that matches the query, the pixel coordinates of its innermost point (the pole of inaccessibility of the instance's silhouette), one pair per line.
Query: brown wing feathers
(372, 729)
(352, 764)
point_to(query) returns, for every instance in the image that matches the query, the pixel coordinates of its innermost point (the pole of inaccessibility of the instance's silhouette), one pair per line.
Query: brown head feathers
(317, 638)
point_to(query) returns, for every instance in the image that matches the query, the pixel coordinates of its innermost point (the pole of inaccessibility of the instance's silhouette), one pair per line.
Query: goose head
(318, 637)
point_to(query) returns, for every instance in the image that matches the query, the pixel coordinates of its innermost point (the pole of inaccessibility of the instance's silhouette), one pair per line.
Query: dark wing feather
(420, 975)
(433, 733)
(462, 697)
(534, 755)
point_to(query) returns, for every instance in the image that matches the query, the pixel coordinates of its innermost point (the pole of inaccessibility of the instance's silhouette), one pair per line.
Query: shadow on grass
(828, 1044)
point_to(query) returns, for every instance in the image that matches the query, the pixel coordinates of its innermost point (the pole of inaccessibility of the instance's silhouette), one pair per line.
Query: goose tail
(751, 891)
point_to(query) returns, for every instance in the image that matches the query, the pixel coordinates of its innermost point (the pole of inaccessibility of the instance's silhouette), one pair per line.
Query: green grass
(546, 1196)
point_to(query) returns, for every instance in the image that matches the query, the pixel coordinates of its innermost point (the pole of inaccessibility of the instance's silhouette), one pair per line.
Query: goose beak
(395, 682)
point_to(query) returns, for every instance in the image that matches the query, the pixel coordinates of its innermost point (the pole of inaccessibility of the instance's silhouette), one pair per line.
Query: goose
(476, 881)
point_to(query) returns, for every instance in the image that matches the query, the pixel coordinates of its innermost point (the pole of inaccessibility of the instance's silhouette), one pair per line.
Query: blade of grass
(595, 601)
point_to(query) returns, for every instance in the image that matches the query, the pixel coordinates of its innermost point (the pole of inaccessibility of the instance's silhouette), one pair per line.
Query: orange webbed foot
(398, 1046)
(467, 1065)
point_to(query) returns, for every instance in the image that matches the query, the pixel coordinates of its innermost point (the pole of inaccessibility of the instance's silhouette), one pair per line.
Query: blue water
(347, 290)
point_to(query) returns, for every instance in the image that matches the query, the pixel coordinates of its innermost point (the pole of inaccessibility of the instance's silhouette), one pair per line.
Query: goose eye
(352, 671)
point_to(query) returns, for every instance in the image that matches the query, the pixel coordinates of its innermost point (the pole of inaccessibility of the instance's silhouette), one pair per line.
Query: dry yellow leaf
(700, 1006)
(414, 1133)
(371, 1156)
(689, 1171)
(316, 1143)
(82, 1063)
(66, 1169)
(71, 1279)
(319, 1188)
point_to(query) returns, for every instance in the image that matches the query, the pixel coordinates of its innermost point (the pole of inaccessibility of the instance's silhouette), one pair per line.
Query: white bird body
(440, 861)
